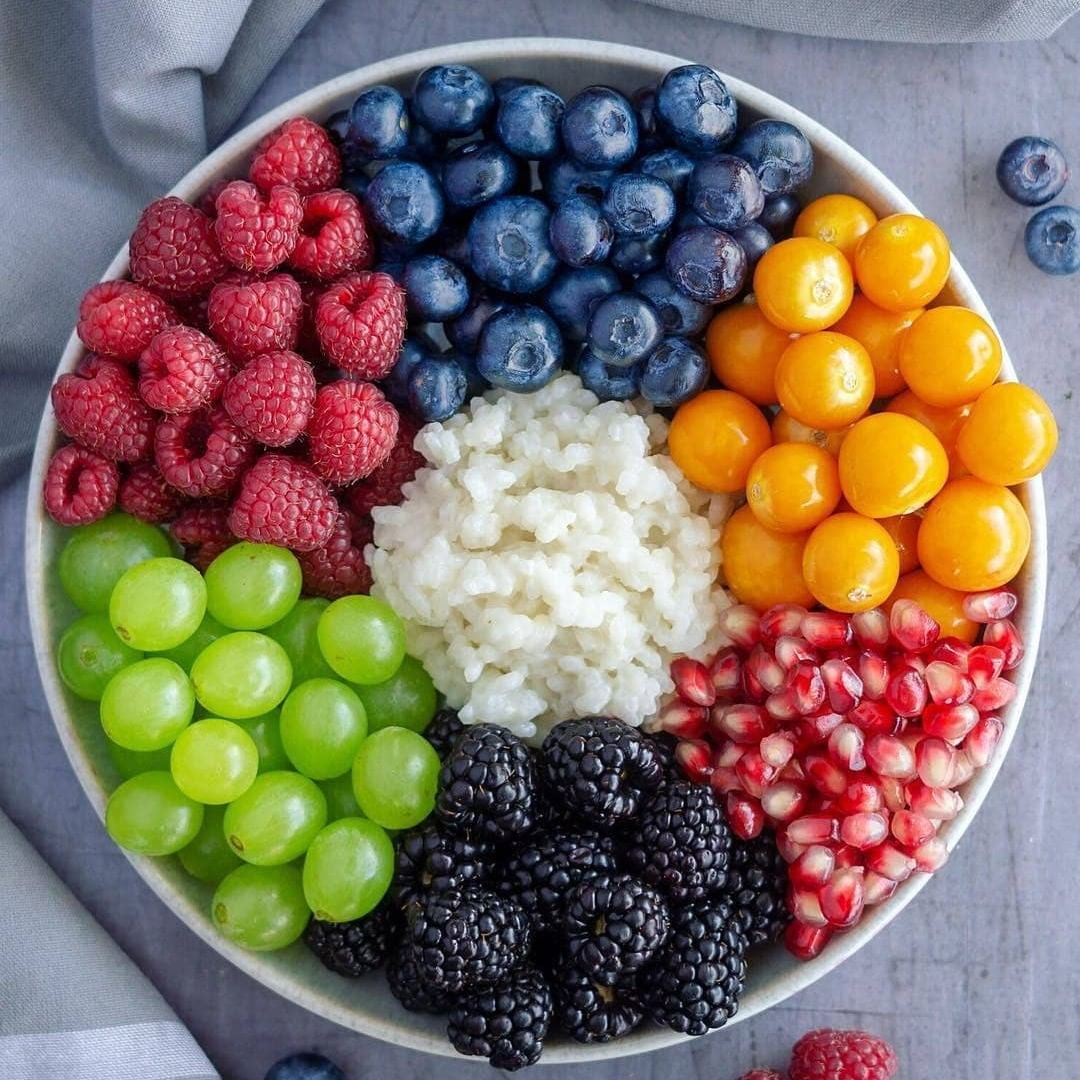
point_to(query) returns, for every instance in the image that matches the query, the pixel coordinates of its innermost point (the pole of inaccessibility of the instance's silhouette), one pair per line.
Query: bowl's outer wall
(366, 1006)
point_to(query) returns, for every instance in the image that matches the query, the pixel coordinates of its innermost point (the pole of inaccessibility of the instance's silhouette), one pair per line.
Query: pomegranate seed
(788, 849)
(744, 815)
(911, 829)
(1003, 634)
(724, 779)
(813, 867)
(791, 651)
(820, 727)
(739, 623)
(911, 628)
(948, 685)
(864, 831)
(963, 770)
(949, 722)
(729, 754)
(842, 899)
(826, 629)
(694, 757)
(911, 736)
(743, 723)
(914, 660)
(890, 862)
(805, 942)
(825, 775)
(754, 773)
(782, 705)
(784, 800)
(846, 747)
(985, 607)
(930, 856)
(985, 664)
(952, 651)
(874, 674)
(871, 628)
(847, 856)
(935, 803)
(776, 749)
(934, 760)
(876, 888)
(793, 770)
(860, 797)
(807, 688)
(873, 716)
(906, 692)
(889, 756)
(980, 741)
(766, 669)
(892, 791)
(780, 620)
(680, 719)
(994, 696)
(843, 686)
(806, 907)
(812, 829)
(726, 674)
(692, 681)
(752, 690)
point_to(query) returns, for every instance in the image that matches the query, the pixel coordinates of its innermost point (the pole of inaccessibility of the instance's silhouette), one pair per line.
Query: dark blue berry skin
(502, 87)
(562, 178)
(396, 385)
(644, 102)
(464, 332)
(670, 165)
(1032, 170)
(606, 382)
(1052, 238)
(580, 234)
(509, 245)
(696, 110)
(437, 388)
(423, 145)
(379, 123)
(778, 152)
(405, 202)
(706, 264)
(477, 173)
(779, 214)
(599, 128)
(394, 267)
(624, 329)
(572, 295)
(452, 99)
(527, 122)
(629, 255)
(680, 315)
(338, 126)
(755, 240)
(638, 205)
(475, 383)
(521, 349)
(355, 182)
(687, 219)
(305, 1067)
(675, 371)
(724, 192)
(452, 242)
(435, 288)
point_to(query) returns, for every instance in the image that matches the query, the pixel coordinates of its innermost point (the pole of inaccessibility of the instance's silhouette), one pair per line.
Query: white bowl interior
(365, 1005)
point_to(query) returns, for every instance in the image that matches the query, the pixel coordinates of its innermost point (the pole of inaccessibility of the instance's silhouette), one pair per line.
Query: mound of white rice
(553, 561)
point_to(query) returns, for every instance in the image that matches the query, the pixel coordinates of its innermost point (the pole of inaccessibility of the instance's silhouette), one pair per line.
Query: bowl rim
(405, 1032)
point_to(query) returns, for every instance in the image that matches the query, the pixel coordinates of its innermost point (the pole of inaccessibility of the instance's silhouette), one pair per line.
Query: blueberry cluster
(534, 234)
(586, 887)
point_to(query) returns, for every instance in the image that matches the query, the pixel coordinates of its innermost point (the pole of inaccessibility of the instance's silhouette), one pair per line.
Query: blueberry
(1032, 170)
(724, 192)
(337, 125)
(396, 385)
(355, 182)
(638, 205)
(437, 388)
(423, 145)
(599, 128)
(679, 314)
(394, 267)
(606, 382)
(404, 202)
(779, 214)
(521, 349)
(572, 295)
(624, 329)
(1052, 238)
(464, 332)
(502, 87)
(687, 219)
(778, 152)
(304, 1067)
(452, 242)
(580, 234)
(670, 165)
(675, 372)
(477, 173)
(755, 240)
(452, 99)
(509, 244)
(379, 123)
(696, 110)
(475, 383)
(562, 178)
(706, 264)
(435, 289)
(630, 255)
(644, 102)
(527, 123)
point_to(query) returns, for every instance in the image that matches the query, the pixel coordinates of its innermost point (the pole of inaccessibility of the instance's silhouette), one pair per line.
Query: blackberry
(468, 937)
(680, 842)
(590, 1012)
(507, 1023)
(695, 982)
(663, 746)
(539, 875)
(757, 888)
(356, 947)
(600, 767)
(614, 925)
(487, 787)
(409, 987)
(443, 731)
(429, 861)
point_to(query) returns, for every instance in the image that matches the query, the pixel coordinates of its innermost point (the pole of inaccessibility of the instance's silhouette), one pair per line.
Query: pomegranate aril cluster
(850, 736)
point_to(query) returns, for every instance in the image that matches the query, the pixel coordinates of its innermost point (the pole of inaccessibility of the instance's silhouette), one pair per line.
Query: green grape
(146, 705)
(130, 763)
(340, 798)
(214, 761)
(249, 586)
(158, 604)
(322, 725)
(90, 654)
(297, 635)
(261, 907)
(395, 775)
(185, 653)
(208, 857)
(96, 555)
(241, 675)
(276, 819)
(265, 730)
(151, 815)
(348, 869)
(407, 699)
(362, 639)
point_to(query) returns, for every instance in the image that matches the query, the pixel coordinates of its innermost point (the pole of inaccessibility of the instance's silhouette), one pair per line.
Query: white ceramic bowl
(366, 1005)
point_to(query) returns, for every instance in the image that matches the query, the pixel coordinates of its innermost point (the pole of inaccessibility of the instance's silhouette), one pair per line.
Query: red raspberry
(182, 370)
(762, 1074)
(333, 238)
(208, 199)
(272, 399)
(80, 486)
(256, 316)
(842, 1055)
(145, 494)
(100, 408)
(339, 567)
(118, 319)
(202, 453)
(300, 153)
(282, 501)
(383, 486)
(352, 431)
(203, 529)
(174, 250)
(360, 321)
(256, 231)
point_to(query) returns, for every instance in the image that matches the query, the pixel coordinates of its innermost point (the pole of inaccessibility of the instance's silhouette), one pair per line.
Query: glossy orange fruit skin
(879, 332)
(803, 284)
(793, 486)
(944, 423)
(744, 349)
(715, 438)
(825, 380)
(902, 262)
(904, 529)
(840, 220)
(944, 605)
(763, 567)
(850, 563)
(785, 428)
(1010, 436)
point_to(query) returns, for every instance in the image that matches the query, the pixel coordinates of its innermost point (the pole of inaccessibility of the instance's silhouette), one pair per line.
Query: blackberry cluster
(757, 885)
(356, 947)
